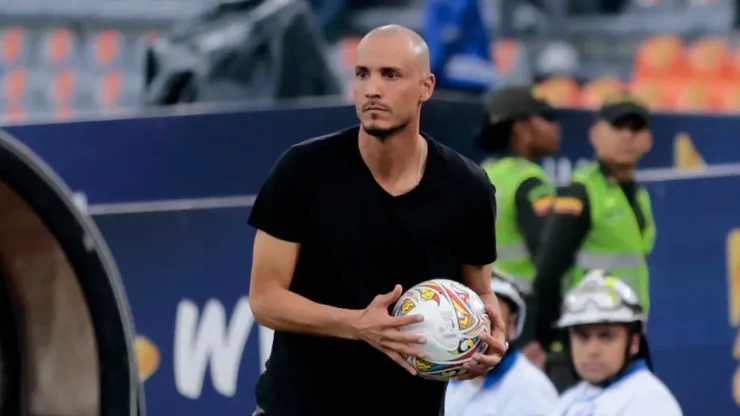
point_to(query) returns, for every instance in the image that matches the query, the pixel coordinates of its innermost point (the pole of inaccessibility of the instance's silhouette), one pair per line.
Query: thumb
(390, 297)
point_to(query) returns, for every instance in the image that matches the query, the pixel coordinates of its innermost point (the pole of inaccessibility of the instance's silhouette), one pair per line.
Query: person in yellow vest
(602, 220)
(520, 128)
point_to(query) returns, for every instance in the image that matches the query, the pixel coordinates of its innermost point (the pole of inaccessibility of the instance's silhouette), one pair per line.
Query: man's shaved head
(417, 46)
(392, 79)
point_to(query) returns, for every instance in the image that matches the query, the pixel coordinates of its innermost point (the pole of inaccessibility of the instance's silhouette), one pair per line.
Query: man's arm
(533, 201)
(564, 232)
(280, 225)
(276, 307)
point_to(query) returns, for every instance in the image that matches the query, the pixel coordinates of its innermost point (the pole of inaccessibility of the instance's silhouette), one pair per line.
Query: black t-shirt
(358, 241)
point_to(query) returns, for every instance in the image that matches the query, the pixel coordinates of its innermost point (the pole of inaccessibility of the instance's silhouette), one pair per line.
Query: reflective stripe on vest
(608, 261)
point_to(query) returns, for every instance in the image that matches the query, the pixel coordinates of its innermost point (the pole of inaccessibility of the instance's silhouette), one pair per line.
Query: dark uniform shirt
(358, 241)
(563, 234)
(531, 220)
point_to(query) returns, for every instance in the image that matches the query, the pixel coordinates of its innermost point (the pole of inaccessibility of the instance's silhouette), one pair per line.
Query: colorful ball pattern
(454, 319)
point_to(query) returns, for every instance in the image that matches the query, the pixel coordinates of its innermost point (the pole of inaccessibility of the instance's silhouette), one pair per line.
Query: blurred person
(331, 260)
(515, 387)
(332, 17)
(610, 354)
(520, 128)
(602, 220)
(460, 46)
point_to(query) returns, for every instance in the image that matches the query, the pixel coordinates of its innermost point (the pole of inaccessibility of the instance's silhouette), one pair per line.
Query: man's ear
(427, 87)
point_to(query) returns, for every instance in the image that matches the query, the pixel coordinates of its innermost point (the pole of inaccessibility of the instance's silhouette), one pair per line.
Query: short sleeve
(479, 246)
(277, 208)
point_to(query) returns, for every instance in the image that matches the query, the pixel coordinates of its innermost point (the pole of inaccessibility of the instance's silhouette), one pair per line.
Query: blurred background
(165, 117)
(62, 59)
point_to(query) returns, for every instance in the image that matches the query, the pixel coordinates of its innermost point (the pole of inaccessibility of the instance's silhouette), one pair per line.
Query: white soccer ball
(454, 319)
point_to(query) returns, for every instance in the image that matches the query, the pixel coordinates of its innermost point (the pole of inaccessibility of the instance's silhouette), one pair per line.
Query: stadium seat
(656, 94)
(106, 48)
(694, 96)
(349, 51)
(660, 57)
(709, 59)
(560, 91)
(14, 41)
(596, 90)
(14, 85)
(726, 96)
(59, 46)
(110, 90)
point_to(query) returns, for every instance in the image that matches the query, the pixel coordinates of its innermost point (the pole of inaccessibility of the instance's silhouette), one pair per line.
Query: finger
(394, 335)
(487, 361)
(401, 321)
(399, 360)
(389, 298)
(476, 369)
(497, 324)
(496, 344)
(402, 348)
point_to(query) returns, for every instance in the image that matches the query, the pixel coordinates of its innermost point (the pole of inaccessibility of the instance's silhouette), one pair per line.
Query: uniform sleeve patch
(567, 205)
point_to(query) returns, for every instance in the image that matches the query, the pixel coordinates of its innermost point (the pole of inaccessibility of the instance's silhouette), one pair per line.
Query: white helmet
(600, 299)
(504, 286)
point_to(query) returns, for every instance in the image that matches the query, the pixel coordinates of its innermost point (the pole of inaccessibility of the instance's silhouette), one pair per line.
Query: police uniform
(524, 190)
(596, 222)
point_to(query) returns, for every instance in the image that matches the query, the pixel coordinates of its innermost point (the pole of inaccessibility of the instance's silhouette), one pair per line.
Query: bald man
(347, 222)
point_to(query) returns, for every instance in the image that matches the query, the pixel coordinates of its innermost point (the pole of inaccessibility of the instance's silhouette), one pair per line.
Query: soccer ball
(454, 319)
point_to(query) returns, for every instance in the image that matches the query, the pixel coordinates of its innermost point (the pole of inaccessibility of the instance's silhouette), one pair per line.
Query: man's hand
(376, 327)
(497, 346)
(536, 355)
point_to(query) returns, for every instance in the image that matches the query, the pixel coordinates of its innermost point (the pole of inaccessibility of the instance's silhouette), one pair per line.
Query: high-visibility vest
(615, 242)
(507, 174)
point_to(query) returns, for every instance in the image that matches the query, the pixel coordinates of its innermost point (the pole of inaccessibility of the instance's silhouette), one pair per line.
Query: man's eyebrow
(382, 68)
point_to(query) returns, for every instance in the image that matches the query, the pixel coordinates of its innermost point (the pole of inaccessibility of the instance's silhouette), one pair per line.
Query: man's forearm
(283, 310)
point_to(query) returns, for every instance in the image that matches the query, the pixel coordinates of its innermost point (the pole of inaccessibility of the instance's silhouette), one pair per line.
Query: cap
(621, 106)
(509, 104)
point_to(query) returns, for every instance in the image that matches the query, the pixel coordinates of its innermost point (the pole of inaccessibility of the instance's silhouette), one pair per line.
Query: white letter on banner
(210, 341)
(265, 335)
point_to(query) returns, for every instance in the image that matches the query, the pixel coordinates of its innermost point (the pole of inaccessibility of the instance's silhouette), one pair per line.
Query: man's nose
(373, 89)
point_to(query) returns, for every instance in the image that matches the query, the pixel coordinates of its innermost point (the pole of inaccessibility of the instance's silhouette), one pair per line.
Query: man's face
(598, 350)
(623, 142)
(389, 85)
(546, 135)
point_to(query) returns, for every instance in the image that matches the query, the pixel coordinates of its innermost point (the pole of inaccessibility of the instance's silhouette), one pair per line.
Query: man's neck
(621, 173)
(394, 157)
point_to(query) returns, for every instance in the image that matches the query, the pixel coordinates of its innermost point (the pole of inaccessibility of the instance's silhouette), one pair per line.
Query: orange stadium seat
(63, 87)
(110, 90)
(560, 91)
(660, 57)
(709, 59)
(15, 113)
(106, 47)
(656, 94)
(349, 51)
(13, 41)
(596, 90)
(694, 96)
(726, 96)
(14, 85)
(505, 55)
(58, 46)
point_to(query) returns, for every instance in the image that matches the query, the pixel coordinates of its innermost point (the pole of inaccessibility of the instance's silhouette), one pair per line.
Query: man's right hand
(383, 331)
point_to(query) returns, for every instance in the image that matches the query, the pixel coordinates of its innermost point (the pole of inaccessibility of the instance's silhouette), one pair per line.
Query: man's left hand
(497, 346)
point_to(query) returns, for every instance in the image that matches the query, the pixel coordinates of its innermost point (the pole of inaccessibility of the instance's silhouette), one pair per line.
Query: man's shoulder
(325, 142)
(459, 167)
